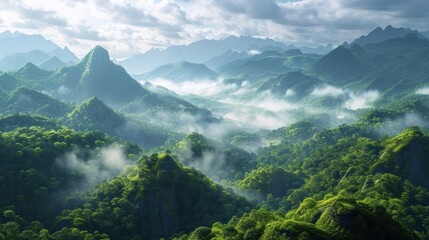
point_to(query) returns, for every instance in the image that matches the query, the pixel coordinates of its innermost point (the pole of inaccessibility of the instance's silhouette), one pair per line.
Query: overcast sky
(127, 27)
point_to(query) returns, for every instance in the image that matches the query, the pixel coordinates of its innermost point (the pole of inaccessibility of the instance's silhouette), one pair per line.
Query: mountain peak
(96, 113)
(99, 53)
(389, 27)
(94, 101)
(30, 71)
(338, 64)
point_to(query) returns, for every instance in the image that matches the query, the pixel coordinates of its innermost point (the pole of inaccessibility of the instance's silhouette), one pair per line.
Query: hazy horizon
(127, 28)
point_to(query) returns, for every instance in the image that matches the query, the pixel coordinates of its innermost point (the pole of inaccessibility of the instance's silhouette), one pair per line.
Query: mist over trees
(249, 139)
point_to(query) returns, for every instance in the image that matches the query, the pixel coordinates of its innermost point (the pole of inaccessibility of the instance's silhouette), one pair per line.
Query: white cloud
(205, 88)
(328, 91)
(364, 100)
(101, 165)
(254, 52)
(423, 91)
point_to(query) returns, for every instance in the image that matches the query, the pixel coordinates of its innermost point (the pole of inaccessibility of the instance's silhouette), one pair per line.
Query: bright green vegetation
(33, 182)
(86, 152)
(24, 100)
(333, 218)
(157, 198)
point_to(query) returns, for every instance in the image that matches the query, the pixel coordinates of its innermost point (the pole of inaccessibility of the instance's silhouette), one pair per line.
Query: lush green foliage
(157, 198)
(32, 181)
(335, 218)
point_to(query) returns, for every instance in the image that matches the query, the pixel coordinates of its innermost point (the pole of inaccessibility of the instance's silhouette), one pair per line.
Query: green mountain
(397, 45)
(93, 114)
(29, 73)
(268, 64)
(169, 111)
(181, 71)
(335, 218)
(405, 156)
(359, 53)
(12, 122)
(8, 83)
(52, 63)
(24, 100)
(158, 198)
(97, 76)
(339, 65)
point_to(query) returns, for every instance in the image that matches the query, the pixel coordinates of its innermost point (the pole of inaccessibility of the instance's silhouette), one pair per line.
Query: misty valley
(237, 138)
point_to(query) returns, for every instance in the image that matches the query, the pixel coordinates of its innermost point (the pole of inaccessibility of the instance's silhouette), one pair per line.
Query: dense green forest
(288, 145)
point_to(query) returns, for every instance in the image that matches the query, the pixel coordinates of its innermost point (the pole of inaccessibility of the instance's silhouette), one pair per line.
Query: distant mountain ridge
(380, 35)
(196, 52)
(11, 43)
(181, 71)
(52, 63)
(17, 49)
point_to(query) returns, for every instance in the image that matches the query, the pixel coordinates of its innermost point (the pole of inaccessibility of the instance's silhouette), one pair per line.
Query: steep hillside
(8, 83)
(333, 219)
(24, 100)
(339, 65)
(30, 73)
(156, 199)
(97, 76)
(405, 155)
(93, 114)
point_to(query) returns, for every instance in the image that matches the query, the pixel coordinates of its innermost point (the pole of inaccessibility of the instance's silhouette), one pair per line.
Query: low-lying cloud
(200, 87)
(362, 101)
(397, 125)
(423, 91)
(328, 90)
(98, 166)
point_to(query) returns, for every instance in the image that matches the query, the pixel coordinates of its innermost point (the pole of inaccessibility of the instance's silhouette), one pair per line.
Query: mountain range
(280, 143)
(17, 49)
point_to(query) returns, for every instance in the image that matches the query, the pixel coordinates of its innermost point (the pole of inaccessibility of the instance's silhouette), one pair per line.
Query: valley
(236, 138)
